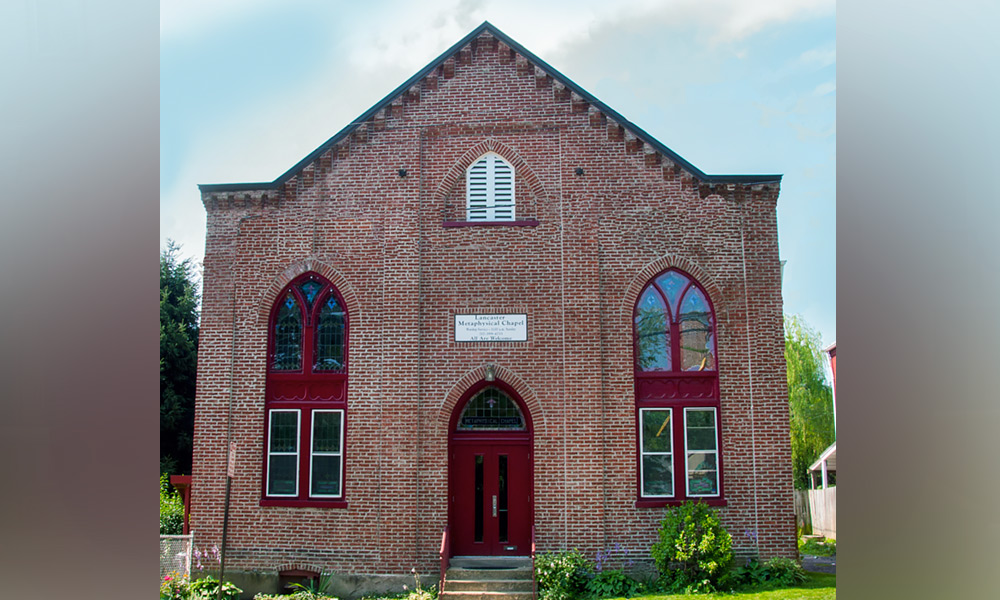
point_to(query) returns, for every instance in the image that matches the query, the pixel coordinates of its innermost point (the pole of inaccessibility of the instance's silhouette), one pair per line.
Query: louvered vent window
(490, 189)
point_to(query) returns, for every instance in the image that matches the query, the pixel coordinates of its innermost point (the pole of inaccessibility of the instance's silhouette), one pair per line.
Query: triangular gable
(581, 99)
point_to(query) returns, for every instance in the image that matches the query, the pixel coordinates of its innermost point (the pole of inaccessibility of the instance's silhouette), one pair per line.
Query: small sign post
(230, 473)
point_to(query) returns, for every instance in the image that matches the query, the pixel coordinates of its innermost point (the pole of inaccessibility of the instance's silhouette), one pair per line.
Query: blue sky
(249, 87)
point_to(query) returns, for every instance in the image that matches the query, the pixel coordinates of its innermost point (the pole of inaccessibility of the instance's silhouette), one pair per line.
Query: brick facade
(587, 245)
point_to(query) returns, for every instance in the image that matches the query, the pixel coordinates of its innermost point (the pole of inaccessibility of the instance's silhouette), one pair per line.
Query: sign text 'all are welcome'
(491, 328)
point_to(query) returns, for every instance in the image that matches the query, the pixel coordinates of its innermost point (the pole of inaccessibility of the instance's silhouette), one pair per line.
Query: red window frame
(306, 390)
(677, 390)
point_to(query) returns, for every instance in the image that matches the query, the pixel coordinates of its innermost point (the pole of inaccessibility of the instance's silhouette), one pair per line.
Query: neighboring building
(823, 472)
(490, 304)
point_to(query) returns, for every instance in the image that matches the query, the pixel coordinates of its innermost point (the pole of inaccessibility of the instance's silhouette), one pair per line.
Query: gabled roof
(537, 62)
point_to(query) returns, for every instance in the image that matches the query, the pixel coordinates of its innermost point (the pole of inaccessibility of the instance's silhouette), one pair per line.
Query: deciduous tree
(810, 399)
(178, 358)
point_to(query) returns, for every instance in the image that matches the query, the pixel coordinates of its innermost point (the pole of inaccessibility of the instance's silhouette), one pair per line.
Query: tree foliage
(810, 399)
(178, 358)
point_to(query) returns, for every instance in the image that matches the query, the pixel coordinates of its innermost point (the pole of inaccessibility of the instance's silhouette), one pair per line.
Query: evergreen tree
(810, 399)
(178, 359)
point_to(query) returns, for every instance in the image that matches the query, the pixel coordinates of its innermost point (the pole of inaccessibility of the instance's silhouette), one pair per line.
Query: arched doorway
(490, 473)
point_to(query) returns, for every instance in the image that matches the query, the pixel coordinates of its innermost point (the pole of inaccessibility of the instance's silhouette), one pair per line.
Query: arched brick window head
(306, 395)
(489, 189)
(676, 392)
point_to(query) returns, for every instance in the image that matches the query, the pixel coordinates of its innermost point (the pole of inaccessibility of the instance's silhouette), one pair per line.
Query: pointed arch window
(679, 455)
(489, 189)
(306, 396)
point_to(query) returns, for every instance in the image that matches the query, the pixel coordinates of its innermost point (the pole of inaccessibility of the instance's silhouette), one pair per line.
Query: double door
(490, 496)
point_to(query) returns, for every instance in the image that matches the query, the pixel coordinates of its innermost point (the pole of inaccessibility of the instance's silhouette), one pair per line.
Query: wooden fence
(817, 510)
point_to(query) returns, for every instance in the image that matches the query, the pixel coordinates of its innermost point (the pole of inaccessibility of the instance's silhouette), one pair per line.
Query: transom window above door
(491, 410)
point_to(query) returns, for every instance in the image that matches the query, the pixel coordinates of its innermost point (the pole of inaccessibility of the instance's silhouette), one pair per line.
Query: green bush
(171, 509)
(562, 575)
(814, 547)
(177, 587)
(694, 550)
(613, 584)
(775, 573)
(208, 587)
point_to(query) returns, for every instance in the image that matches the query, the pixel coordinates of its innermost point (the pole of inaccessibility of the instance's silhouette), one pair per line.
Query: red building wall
(380, 239)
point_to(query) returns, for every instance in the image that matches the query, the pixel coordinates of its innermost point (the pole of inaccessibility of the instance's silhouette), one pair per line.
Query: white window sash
(643, 454)
(313, 453)
(688, 453)
(298, 429)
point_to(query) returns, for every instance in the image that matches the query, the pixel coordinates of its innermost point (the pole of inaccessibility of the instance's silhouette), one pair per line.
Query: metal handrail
(534, 581)
(444, 554)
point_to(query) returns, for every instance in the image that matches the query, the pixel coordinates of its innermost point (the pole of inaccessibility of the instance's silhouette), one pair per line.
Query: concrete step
(488, 585)
(491, 562)
(448, 595)
(488, 574)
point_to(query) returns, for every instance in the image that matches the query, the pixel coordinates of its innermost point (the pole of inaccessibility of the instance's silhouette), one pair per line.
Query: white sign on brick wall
(491, 328)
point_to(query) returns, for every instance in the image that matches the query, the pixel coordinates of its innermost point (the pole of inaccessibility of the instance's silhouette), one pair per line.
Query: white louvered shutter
(489, 189)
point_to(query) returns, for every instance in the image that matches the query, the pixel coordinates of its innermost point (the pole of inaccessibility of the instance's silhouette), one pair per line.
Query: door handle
(494, 505)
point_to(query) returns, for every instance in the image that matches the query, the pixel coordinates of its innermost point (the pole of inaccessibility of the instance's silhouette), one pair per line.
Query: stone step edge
(447, 592)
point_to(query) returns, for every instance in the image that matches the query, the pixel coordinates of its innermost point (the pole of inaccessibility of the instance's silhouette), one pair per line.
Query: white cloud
(412, 33)
(819, 57)
(825, 88)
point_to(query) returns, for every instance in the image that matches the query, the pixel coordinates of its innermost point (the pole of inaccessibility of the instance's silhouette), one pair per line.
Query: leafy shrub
(786, 572)
(815, 547)
(613, 584)
(171, 509)
(295, 596)
(694, 548)
(174, 587)
(777, 572)
(315, 589)
(177, 587)
(562, 575)
(208, 587)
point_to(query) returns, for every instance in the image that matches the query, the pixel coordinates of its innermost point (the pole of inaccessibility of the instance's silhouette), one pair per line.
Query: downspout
(229, 411)
(753, 424)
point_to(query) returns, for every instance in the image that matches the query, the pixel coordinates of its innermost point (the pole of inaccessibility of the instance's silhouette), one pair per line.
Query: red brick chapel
(492, 306)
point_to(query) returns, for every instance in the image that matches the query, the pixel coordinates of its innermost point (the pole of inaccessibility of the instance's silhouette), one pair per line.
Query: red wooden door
(490, 499)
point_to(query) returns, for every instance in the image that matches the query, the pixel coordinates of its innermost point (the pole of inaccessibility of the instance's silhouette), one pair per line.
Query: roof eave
(416, 78)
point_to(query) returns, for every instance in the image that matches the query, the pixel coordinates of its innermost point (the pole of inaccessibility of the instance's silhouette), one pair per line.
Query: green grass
(819, 587)
(814, 547)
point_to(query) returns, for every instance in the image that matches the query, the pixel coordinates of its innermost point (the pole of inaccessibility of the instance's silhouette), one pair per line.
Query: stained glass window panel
(326, 431)
(697, 333)
(325, 475)
(288, 336)
(310, 289)
(652, 333)
(284, 431)
(283, 446)
(330, 337)
(491, 410)
(281, 475)
(672, 283)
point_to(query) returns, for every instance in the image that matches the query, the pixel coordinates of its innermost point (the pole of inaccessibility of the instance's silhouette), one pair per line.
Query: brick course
(577, 273)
